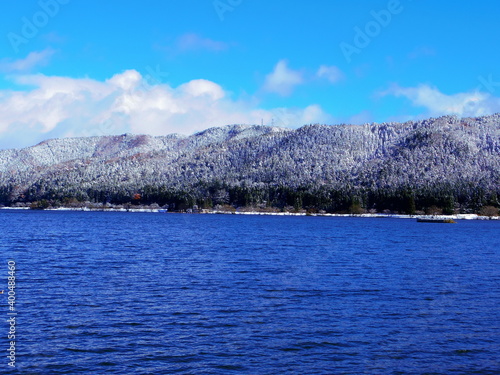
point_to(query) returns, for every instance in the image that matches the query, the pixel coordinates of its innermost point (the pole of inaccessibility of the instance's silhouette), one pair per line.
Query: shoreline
(257, 213)
(377, 216)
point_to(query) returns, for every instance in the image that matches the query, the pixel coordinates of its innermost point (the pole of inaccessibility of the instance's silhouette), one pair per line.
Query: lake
(153, 293)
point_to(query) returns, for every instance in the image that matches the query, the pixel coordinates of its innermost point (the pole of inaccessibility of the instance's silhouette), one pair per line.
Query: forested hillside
(447, 164)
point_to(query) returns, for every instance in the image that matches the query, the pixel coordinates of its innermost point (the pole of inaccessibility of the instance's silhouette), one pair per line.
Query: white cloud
(474, 103)
(330, 73)
(54, 38)
(28, 63)
(363, 117)
(192, 41)
(200, 87)
(62, 107)
(283, 80)
(296, 117)
(422, 51)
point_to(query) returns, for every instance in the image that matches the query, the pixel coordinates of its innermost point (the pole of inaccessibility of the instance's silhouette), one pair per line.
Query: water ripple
(201, 294)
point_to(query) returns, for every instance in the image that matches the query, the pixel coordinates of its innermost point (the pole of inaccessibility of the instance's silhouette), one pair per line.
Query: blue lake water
(144, 293)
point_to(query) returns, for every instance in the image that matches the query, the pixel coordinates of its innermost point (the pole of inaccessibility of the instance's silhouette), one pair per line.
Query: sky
(85, 67)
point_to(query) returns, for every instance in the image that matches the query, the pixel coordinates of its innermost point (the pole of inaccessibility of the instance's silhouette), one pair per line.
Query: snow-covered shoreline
(385, 216)
(84, 209)
(388, 216)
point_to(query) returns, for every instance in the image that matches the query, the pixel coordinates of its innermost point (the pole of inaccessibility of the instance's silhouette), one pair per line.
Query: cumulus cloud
(330, 73)
(54, 106)
(283, 80)
(475, 103)
(34, 59)
(296, 117)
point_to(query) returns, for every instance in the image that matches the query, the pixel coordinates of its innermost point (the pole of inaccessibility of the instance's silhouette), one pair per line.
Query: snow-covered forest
(447, 164)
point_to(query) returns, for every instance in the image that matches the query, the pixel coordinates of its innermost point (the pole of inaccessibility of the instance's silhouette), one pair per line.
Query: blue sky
(81, 68)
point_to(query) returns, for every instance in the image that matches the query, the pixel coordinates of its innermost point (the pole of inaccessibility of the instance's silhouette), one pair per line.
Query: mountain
(447, 162)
